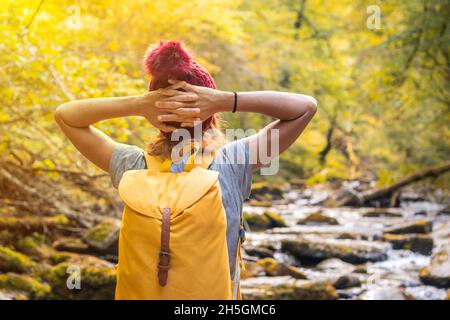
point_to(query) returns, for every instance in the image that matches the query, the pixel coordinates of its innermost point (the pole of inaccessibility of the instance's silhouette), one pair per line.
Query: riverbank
(296, 248)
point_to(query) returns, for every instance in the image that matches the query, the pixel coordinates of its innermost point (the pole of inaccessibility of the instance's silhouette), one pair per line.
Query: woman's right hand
(147, 109)
(203, 102)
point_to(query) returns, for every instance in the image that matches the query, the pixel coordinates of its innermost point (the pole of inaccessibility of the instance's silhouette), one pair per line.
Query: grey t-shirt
(235, 178)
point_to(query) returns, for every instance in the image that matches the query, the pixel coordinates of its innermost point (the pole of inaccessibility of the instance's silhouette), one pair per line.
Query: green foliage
(383, 94)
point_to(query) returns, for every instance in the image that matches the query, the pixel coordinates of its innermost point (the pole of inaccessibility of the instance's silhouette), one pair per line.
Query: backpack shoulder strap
(159, 164)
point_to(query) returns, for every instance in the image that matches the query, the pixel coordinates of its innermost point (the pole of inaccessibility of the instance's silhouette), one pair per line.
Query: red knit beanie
(169, 60)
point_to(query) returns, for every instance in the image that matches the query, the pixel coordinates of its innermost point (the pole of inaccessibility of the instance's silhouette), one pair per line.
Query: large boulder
(419, 243)
(419, 226)
(352, 251)
(286, 288)
(437, 273)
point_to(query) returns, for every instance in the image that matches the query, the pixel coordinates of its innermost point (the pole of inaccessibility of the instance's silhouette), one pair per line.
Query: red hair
(169, 60)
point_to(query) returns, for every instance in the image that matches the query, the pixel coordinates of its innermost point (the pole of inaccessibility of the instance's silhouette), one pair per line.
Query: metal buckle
(162, 254)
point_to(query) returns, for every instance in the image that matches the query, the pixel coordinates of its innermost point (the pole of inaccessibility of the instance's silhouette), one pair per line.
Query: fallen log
(360, 199)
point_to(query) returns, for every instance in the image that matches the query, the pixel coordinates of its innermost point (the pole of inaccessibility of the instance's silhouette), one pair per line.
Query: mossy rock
(276, 221)
(11, 260)
(318, 218)
(353, 251)
(26, 284)
(97, 279)
(71, 244)
(419, 226)
(270, 265)
(252, 269)
(34, 245)
(257, 221)
(437, 273)
(382, 213)
(286, 288)
(6, 237)
(419, 243)
(266, 220)
(29, 224)
(264, 191)
(59, 257)
(260, 203)
(104, 236)
(274, 268)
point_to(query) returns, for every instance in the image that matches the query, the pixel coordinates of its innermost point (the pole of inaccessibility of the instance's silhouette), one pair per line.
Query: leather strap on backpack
(164, 256)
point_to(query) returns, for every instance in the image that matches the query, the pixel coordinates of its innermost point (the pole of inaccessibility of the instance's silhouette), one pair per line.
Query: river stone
(419, 226)
(318, 218)
(419, 243)
(437, 273)
(347, 281)
(286, 288)
(353, 251)
(385, 293)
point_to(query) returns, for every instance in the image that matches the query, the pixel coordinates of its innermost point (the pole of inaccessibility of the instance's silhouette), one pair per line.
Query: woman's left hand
(205, 101)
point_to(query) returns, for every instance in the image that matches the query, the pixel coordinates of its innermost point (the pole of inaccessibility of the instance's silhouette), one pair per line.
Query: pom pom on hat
(168, 60)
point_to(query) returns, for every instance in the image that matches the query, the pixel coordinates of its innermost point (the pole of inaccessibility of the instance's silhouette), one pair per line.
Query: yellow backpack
(172, 242)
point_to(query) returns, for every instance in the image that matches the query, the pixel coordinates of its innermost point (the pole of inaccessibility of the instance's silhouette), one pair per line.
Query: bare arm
(294, 111)
(76, 118)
